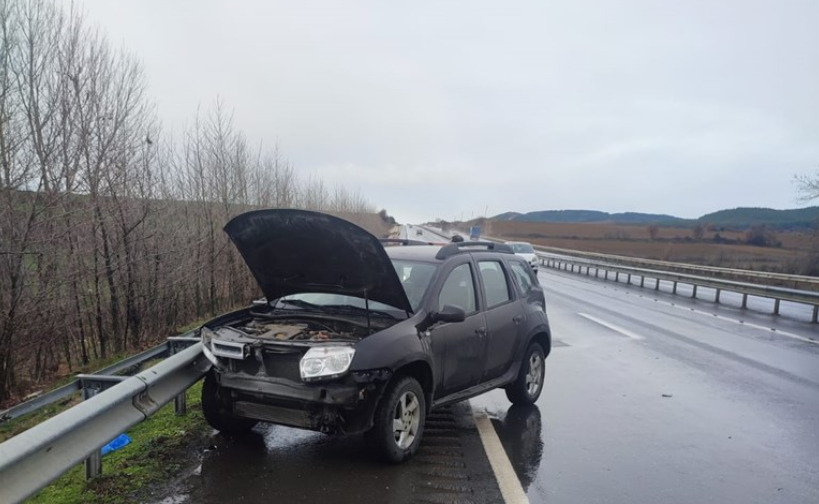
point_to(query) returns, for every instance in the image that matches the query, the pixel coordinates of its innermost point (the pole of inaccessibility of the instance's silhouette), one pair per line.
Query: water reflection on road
(520, 432)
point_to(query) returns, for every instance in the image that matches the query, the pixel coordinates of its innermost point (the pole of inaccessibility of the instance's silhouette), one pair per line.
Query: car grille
(283, 365)
(275, 414)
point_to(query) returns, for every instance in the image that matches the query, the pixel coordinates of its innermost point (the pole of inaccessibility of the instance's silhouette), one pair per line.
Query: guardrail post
(716, 296)
(180, 402)
(642, 281)
(628, 279)
(694, 292)
(674, 288)
(657, 284)
(815, 314)
(596, 272)
(745, 301)
(93, 464)
(776, 306)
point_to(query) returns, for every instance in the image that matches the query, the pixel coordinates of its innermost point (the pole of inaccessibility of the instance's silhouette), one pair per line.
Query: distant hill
(586, 216)
(780, 219)
(737, 218)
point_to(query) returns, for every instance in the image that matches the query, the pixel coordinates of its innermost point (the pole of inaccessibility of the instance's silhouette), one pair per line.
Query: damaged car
(353, 337)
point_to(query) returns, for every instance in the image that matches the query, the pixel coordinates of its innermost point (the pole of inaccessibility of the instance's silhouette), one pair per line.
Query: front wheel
(217, 412)
(399, 421)
(529, 383)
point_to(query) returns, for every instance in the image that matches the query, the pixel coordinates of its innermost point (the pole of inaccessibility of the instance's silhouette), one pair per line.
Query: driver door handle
(481, 331)
(517, 319)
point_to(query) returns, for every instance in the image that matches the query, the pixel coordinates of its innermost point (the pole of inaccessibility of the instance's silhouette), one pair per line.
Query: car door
(504, 315)
(459, 346)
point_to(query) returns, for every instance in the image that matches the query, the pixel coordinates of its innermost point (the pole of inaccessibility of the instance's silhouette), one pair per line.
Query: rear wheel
(399, 421)
(217, 411)
(529, 383)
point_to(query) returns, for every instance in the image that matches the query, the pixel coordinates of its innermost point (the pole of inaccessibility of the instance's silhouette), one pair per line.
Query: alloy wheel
(534, 376)
(406, 420)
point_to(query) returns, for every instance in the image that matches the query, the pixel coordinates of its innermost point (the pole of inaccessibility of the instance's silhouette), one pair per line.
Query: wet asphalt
(649, 398)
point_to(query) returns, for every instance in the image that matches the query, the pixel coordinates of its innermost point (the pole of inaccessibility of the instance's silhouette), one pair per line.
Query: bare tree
(110, 232)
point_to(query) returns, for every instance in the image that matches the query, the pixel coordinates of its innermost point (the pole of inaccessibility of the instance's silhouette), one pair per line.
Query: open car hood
(296, 251)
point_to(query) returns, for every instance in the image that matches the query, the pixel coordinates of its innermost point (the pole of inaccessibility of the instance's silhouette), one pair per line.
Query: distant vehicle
(419, 232)
(373, 340)
(475, 233)
(525, 250)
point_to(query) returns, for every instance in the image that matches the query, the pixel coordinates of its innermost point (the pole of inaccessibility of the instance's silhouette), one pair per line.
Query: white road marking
(721, 317)
(749, 324)
(508, 481)
(624, 332)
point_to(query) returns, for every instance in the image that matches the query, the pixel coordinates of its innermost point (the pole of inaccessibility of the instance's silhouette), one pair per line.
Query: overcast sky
(442, 108)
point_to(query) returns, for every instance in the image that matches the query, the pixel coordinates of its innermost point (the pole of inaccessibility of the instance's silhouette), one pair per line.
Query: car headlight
(325, 362)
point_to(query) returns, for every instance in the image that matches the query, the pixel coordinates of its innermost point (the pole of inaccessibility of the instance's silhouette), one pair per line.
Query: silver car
(525, 250)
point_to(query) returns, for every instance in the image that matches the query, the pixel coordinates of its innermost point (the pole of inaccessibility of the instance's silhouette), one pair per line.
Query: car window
(495, 287)
(458, 289)
(521, 276)
(415, 278)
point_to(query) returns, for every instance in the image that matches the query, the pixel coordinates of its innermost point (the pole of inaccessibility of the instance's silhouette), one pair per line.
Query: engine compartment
(301, 329)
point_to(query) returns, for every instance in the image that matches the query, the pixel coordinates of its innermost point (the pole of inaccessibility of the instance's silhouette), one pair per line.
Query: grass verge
(163, 445)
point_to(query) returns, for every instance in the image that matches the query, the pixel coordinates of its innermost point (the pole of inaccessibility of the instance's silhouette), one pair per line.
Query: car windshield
(323, 300)
(415, 278)
(522, 248)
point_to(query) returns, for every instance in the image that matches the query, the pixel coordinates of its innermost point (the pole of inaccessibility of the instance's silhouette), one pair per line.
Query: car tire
(529, 384)
(217, 412)
(399, 421)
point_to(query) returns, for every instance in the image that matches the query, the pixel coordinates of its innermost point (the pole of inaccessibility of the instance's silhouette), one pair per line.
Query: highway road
(649, 398)
(657, 398)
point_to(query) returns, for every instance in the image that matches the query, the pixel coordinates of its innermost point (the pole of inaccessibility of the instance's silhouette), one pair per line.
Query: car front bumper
(343, 406)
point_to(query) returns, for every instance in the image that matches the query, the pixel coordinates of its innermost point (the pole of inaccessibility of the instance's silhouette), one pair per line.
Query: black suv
(355, 336)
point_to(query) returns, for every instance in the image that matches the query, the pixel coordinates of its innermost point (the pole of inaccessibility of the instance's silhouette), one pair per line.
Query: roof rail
(457, 248)
(402, 241)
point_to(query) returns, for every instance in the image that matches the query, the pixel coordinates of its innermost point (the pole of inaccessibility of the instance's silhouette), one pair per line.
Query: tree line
(110, 230)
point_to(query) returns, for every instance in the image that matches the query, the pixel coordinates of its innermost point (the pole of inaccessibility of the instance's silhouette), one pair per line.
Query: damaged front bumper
(343, 406)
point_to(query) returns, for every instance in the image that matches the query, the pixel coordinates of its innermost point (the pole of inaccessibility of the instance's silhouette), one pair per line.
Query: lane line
(624, 332)
(721, 317)
(510, 487)
(749, 324)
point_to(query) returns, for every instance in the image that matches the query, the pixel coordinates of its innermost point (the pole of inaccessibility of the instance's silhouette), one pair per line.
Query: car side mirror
(449, 313)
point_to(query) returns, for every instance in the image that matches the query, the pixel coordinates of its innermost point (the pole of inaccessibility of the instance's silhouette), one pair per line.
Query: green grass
(18, 425)
(162, 445)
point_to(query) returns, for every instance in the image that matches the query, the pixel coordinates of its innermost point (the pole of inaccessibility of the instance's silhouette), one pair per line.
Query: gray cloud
(437, 109)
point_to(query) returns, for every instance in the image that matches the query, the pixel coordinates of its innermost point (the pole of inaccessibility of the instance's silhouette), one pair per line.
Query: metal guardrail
(38, 456)
(782, 279)
(160, 351)
(564, 262)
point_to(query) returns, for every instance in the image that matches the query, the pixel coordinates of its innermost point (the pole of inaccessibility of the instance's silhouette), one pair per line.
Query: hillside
(740, 218)
(737, 218)
(585, 216)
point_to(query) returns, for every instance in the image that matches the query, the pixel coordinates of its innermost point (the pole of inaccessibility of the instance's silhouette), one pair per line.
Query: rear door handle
(517, 319)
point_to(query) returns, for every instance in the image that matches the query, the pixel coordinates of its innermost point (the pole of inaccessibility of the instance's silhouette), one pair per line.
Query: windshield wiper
(357, 309)
(301, 304)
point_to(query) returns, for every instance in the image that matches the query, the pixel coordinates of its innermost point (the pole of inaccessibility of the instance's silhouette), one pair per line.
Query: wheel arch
(544, 339)
(422, 372)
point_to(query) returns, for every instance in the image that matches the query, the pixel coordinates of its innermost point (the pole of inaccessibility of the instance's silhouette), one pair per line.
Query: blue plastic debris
(116, 444)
